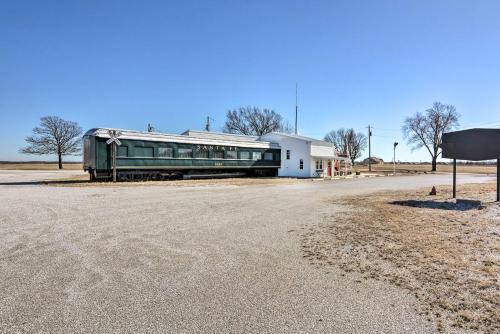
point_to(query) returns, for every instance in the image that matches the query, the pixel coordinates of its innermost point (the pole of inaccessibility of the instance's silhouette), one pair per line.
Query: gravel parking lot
(195, 259)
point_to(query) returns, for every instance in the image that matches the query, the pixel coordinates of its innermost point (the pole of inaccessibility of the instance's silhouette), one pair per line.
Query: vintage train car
(158, 156)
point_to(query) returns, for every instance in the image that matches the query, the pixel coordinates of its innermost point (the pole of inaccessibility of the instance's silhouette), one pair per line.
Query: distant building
(374, 161)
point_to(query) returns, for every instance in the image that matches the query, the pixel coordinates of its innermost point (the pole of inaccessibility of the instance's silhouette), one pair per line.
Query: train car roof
(195, 137)
(219, 135)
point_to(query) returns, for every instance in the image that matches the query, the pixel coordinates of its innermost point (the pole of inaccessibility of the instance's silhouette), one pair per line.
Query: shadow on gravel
(34, 183)
(459, 205)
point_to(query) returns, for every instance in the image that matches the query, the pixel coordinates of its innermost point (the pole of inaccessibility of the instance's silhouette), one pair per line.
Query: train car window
(256, 155)
(217, 154)
(287, 154)
(231, 155)
(301, 164)
(268, 156)
(165, 152)
(244, 155)
(203, 154)
(122, 151)
(185, 152)
(144, 152)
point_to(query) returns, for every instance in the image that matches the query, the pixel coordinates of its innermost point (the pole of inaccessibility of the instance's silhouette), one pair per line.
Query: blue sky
(172, 63)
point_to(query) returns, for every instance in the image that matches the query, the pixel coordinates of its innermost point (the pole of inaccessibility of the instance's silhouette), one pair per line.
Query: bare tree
(54, 136)
(253, 121)
(348, 142)
(426, 129)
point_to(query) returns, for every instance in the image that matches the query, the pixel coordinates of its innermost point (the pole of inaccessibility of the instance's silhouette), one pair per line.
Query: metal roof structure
(472, 144)
(219, 135)
(191, 139)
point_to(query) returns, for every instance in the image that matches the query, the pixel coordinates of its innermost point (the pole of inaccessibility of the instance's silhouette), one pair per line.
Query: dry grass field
(409, 168)
(385, 168)
(444, 252)
(38, 166)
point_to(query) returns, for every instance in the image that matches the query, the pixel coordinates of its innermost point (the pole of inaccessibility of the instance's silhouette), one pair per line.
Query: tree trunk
(59, 155)
(434, 163)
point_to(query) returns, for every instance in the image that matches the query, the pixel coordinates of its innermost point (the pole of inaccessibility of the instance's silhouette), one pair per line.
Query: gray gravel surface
(200, 259)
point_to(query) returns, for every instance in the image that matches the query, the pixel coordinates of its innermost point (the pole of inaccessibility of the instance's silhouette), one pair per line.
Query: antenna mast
(207, 125)
(296, 106)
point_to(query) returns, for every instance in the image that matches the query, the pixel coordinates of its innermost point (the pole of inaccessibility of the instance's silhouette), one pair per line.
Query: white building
(307, 157)
(300, 156)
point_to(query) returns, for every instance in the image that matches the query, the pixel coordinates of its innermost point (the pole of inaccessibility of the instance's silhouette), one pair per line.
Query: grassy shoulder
(409, 168)
(444, 252)
(38, 166)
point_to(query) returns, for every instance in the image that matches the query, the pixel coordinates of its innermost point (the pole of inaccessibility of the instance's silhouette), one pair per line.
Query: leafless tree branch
(254, 122)
(54, 136)
(348, 142)
(426, 130)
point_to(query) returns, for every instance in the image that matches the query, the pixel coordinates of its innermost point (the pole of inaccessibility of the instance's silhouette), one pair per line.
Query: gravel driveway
(198, 259)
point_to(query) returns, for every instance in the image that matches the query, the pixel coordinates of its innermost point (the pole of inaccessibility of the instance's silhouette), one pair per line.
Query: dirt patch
(444, 252)
(246, 181)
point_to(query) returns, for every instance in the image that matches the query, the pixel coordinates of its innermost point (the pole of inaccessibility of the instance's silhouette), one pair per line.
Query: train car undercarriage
(165, 175)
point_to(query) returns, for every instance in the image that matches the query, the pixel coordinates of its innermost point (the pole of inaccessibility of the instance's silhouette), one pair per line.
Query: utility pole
(296, 107)
(369, 149)
(207, 125)
(394, 158)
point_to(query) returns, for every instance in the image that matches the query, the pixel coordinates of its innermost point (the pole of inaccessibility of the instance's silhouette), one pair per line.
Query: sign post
(394, 159)
(113, 140)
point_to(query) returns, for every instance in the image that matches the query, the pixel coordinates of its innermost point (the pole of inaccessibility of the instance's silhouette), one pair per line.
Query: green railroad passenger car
(158, 156)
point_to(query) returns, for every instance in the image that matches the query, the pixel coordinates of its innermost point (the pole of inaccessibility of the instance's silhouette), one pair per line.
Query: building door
(329, 170)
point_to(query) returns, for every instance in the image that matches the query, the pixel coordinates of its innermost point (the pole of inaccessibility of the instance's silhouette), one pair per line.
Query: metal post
(394, 161)
(454, 178)
(296, 107)
(114, 160)
(498, 180)
(369, 149)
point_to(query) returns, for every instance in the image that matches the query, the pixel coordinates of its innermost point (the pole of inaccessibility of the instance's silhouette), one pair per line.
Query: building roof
(472, 144)
(191, 139)
(374, 159)
(303, 138)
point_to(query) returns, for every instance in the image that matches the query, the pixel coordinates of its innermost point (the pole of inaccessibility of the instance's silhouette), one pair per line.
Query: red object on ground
(433, 191)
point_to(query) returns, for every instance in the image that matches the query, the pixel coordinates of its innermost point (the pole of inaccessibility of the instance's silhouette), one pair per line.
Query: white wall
(322, 151)
(299, 149)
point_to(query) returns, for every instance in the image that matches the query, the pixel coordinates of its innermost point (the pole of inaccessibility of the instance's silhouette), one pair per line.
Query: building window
(319, 164)
(185, 152)
(165, 152)
(301, 164)
(256, 155)
(202, 154)
(245, 155)
(287, 154)
(217, 154)
(231, 155)
(268, 156)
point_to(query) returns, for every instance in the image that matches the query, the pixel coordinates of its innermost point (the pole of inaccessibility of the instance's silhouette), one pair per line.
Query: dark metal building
(475, 145)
